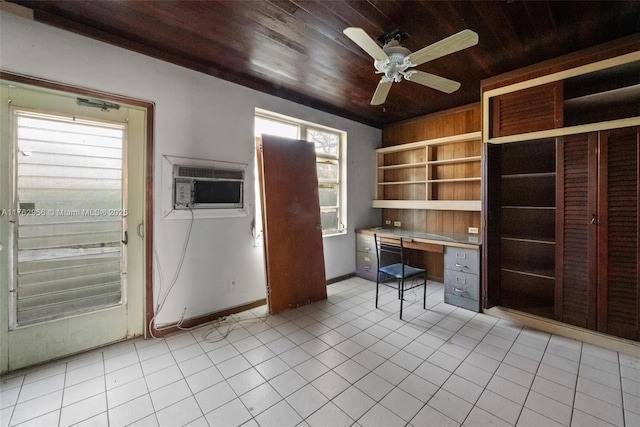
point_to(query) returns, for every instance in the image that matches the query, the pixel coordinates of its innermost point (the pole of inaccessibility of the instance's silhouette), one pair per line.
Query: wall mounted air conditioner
(196, 187)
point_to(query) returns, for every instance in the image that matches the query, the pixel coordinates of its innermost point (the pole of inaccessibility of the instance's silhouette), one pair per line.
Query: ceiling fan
(394, 61)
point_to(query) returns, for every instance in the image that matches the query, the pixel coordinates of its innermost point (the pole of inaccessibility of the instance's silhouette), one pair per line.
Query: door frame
(149, 108)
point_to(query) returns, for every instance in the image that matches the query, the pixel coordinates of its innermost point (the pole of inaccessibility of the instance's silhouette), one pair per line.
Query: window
(329, 144)
(69, 212)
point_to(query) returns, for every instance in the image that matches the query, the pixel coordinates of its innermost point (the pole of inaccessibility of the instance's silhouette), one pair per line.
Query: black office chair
(391, 265)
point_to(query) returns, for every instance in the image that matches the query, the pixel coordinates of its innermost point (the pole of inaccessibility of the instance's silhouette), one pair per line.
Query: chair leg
(401, 289)
(424, 297)
(377, 286)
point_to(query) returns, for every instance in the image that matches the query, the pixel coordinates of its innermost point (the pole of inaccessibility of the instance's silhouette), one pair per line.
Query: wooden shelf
(423, 163)
(530, 175)
(535, 208)
(472, 136)
(543, 273)
(446, 205)
(403, 166)
(541, 240)
(475, 178)
(614, 96)
(455, 160)
(402, 182)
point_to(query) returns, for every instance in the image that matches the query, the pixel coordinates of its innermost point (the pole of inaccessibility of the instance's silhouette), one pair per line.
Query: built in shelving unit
(592, 97)
(440, 174)
(553, 212)
(528, 225)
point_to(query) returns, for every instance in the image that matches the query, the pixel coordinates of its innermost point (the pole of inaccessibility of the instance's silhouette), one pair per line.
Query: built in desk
(461, 260)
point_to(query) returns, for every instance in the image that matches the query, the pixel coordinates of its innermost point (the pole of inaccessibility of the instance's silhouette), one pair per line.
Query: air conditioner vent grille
(193, 172)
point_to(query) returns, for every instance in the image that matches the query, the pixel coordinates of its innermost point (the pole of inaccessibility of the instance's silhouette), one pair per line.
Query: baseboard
(435, 278)
(196, 321)
(340, 278)
(569, 331)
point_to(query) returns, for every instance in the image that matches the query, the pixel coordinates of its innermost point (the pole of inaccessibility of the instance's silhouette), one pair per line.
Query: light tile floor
(338, 362)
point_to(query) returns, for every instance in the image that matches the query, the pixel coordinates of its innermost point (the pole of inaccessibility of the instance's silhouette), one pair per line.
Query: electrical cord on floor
(163, 299)
(231, 322)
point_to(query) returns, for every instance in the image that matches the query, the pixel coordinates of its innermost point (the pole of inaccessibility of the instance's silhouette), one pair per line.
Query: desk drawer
(365, 243)
(366, 273)
(366, 259)
(460, 301)
(461, 259)
(461, 284)
(366, 265)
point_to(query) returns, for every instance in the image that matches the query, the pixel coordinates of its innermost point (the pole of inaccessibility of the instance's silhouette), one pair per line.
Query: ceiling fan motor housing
(394, 67)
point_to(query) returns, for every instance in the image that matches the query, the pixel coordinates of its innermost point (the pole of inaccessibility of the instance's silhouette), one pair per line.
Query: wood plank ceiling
(295, 49)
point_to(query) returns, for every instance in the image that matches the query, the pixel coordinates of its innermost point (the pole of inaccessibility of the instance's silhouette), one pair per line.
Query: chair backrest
(389, 249)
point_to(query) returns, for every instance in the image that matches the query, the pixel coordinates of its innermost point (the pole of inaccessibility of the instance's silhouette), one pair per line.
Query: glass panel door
(69, 211)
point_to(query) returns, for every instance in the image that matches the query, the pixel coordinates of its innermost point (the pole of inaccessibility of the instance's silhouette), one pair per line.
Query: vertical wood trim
(494, 117)
(491, 224)
(602, 309)
(597, 200)
(592, 254)
(148, 227)
(559, 295)
(260, 178)
(638, 227)
(378, 190)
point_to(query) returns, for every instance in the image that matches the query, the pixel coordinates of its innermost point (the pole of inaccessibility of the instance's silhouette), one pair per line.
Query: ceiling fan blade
(367, 44)
(381, 92)
(454, 43)
(433, 81)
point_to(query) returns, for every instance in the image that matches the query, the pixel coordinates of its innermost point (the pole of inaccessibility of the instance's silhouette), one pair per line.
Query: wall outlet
(387, 222)
(397, 223)
(473, 230)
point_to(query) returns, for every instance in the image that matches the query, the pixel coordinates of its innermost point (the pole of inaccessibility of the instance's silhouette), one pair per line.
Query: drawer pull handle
(460, 265)
(366, 267)
(366, 248)
(460, 291)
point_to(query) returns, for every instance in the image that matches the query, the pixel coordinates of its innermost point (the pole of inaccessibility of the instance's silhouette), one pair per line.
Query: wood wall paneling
(455, 121)
(451, 122)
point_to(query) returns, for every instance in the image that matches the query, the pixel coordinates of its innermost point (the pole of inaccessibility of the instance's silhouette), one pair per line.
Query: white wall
(202, 117)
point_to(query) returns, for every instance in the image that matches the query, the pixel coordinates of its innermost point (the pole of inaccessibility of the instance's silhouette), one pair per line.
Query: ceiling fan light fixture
(395, 65)
(393, 60)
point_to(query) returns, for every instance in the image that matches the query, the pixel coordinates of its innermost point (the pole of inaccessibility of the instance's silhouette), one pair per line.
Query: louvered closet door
(528, 110)
(576, 230)
(618, 276)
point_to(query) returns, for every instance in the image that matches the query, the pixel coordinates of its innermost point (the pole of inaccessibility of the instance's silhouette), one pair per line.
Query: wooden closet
(561, 185)
(597, 245)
